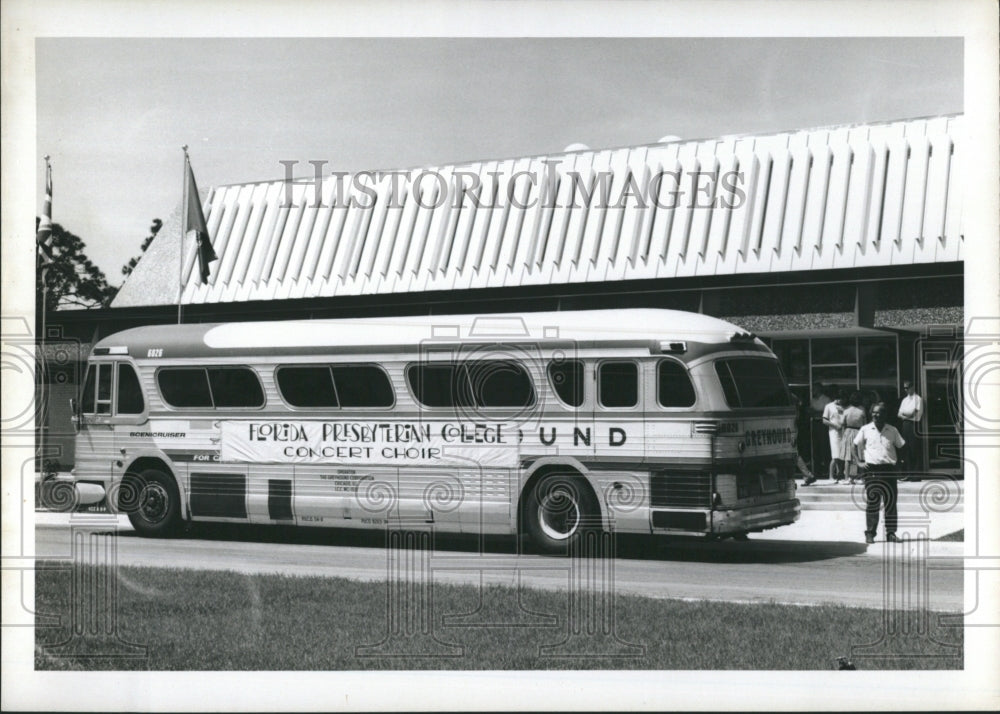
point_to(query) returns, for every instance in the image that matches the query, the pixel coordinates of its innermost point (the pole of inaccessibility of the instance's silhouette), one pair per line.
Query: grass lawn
(207, 620)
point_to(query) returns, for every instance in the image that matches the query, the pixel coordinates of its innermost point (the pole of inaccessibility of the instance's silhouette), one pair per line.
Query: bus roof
(620, 326)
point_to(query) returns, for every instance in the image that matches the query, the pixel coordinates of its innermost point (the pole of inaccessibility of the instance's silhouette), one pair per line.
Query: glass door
(942, 438)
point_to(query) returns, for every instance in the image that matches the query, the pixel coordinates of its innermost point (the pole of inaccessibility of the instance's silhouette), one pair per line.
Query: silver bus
(544, 425)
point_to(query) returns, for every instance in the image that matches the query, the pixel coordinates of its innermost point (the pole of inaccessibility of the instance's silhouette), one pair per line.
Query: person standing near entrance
(819, 442)
(911, 411)
(833, 417)
(876, 445)
(854, 419)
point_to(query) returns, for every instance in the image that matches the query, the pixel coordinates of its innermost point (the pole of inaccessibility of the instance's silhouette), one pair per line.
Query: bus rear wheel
(153, 503)
(558, 512)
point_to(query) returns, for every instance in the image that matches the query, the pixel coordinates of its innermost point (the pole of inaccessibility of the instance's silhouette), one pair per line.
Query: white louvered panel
(478, 229)
(249, 244)
(300, 244)
(515, 262)
(915, 196)
(220, 239)
(748, 167)
(869, 253)
(284, 210)
(243, 292)
(753, 220)
(951, 248)
(469, 193)
(555, 254)
(776, 208)
(332, 240)
(447, 210)
(406, 235)
(606, 240)
(395, 218)
(358, 217)
(231, 266)
(482, 226)
(858, 199)
(706, 196)
(493, 257)
(685, 210)
(629, 207)
(596, 211)
(288, 237)
(380, 215)
(538, 224)
(298, 288)
(795, 212)
(474, 195)
(420, 250)
(495, 223)
(895, 188)
(816, 202)
(725, 202)
(583, 187)
(262, 248)
(938, 170)
(578, 180)
(838, 251)
(283, 288)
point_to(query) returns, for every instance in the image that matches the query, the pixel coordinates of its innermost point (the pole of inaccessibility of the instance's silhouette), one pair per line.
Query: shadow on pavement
(628, 547)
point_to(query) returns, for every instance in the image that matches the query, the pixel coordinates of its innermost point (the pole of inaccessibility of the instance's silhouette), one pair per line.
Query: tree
(71, 278)
(153, 230)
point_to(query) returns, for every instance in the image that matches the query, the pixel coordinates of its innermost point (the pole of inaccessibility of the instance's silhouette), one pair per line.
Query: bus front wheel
(153, 503)
(558, 512)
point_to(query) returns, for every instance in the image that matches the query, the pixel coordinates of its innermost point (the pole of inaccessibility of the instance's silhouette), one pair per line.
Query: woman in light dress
(833, 417)
(854, 419)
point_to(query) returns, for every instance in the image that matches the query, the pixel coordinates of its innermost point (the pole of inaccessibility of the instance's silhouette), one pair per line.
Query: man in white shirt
(911, 411)
(875, 447)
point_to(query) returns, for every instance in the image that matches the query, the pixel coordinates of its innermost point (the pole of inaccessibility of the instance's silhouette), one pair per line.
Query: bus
(544, 425)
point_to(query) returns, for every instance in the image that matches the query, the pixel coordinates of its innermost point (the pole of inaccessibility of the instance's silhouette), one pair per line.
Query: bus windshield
(749, 382)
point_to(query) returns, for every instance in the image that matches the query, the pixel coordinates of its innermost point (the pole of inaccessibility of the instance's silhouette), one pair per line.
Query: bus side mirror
(76, 414)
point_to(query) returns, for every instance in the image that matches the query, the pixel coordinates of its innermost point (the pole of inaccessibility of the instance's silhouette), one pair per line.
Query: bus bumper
(756, 518)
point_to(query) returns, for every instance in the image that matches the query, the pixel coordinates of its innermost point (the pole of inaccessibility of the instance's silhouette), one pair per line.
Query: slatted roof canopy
(836, 197)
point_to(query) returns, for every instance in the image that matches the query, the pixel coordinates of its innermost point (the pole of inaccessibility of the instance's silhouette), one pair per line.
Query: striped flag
(194, 220)
(44, 232)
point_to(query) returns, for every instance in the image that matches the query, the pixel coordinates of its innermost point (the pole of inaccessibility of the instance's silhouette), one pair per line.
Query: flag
(194, 220)
(44, 231)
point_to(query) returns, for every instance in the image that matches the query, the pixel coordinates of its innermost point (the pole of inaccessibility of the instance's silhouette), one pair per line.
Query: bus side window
(235, 387)
(130, 399)
(674, 388)
(87, 404)
(104, 389)
(362, 385)
(618, 384)
(500, 383)
(440, 385)
(307, 386)
(566, 378)
(184, 387)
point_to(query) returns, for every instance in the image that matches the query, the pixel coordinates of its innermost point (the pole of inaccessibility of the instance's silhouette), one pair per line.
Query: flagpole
(184, 208)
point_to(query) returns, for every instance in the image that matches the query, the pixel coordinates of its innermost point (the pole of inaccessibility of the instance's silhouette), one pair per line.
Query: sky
(114, 113)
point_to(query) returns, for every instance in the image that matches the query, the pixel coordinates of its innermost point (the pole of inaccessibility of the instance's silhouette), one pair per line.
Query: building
(841, 246)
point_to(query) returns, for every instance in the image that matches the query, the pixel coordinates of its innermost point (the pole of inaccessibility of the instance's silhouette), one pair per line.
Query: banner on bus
(359, 442)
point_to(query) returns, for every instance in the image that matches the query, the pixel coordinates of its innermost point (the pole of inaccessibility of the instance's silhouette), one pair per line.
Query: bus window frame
(656, 385)
(213, 408)
(640, 397)
(339, 408)
(113, 416)
(462, 364)
(583, 379)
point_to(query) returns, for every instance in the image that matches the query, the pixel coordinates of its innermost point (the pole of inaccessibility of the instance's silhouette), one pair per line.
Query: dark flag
(194, 220)
(44, 231)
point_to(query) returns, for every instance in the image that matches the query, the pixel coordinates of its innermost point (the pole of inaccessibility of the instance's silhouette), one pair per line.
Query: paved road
(764, 570)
